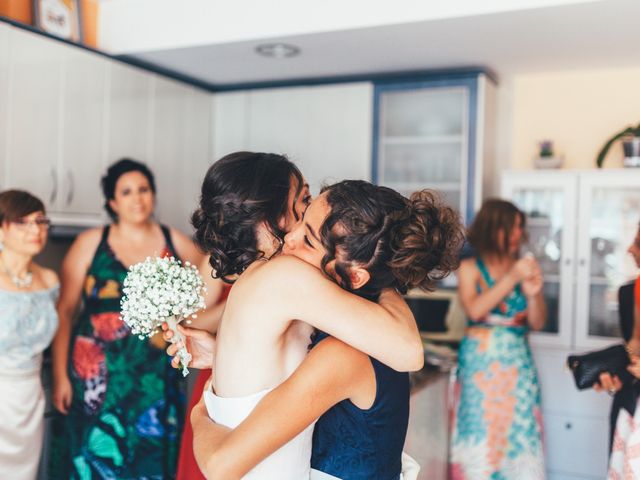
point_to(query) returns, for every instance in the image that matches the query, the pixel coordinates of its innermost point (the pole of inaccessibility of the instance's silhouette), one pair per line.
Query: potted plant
(546, 158)
(630, 142)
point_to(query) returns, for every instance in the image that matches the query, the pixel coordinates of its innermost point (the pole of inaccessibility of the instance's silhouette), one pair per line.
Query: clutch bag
(587, 367)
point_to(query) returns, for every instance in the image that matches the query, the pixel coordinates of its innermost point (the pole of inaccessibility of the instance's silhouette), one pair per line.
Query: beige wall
(578, 110)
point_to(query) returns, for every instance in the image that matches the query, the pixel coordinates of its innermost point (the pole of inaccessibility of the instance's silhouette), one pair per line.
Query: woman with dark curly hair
(370, 241)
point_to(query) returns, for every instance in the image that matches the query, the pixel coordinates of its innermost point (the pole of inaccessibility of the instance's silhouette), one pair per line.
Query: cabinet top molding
(377, 77)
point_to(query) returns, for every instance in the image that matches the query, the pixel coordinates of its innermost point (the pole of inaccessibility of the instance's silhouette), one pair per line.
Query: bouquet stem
(183, 354)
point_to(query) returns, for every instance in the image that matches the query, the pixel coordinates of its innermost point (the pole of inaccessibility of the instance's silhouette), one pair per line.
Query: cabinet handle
(54, 190)
(567, 262)
(583, 262)
(568, 426)
(71, 185)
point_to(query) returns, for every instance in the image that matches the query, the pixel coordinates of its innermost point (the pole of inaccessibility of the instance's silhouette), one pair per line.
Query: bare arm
(387, 331)
(478, 305)
(74, 269)
(537, 308)
(332, 372)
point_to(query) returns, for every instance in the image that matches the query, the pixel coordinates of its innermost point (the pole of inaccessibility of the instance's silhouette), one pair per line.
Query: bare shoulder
(468, 267)
(185, 247)
(179, 237)
(48, 276)
(288, 267)
(89, 238)
(84, 247)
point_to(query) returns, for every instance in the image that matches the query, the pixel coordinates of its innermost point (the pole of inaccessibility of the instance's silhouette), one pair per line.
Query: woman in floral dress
(122, 402)
(497, 428)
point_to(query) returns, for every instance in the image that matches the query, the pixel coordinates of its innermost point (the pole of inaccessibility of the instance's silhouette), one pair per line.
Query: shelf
(421, 140)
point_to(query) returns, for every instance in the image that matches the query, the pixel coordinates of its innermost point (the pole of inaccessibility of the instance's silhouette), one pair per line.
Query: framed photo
(58, 17)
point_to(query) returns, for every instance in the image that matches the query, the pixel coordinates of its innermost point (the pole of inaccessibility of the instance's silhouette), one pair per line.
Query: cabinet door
(129, 113)
(423, 138)
(180, 149)
(325, 130)
(4, 100)
(229, 123)
(83, 141)
(609, 212)
(576, 445)
(548, 199)
(34, 109)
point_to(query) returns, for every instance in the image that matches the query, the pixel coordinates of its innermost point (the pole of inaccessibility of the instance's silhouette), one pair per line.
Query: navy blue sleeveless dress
(355, 444)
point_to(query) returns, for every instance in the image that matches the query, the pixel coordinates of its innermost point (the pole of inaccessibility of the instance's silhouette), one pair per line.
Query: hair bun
(426, 241)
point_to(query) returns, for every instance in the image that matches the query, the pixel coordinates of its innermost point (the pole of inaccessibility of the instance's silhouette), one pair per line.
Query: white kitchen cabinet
(130, 115)
(55, 125)
(4, 100)
(82, 159)
(434, 133)
(325, 130)
(67, 113)
(34, 110)
(180, 149)
(580, 224)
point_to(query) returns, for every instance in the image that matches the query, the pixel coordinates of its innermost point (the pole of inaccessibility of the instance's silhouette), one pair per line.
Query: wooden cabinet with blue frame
(435, 132)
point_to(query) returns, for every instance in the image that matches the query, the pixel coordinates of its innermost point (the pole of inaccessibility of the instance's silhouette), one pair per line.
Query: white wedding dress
(291, 462)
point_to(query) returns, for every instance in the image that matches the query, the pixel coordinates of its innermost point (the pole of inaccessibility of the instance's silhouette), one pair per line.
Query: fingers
(609, 383)
(617, 383)
(62, 403)
(606, 381)
(172, 349)
(167, 334)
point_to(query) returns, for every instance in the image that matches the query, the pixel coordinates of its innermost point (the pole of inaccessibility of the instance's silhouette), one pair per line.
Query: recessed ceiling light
(277, 50)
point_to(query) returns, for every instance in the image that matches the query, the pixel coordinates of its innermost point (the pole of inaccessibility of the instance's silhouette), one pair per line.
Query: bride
(259, 343)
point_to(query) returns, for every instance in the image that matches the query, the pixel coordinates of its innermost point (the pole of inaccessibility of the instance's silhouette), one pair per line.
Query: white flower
(158, 288)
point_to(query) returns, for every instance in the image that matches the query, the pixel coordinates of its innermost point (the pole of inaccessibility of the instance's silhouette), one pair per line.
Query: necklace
(24, 282)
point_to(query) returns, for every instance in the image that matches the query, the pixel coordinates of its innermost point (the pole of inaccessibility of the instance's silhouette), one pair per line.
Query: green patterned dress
(128, 403)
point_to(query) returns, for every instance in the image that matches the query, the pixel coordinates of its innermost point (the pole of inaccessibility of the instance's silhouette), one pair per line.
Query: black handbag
(587, 367)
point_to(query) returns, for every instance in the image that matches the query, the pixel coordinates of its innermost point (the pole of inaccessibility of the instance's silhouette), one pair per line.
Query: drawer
(565, 476)
(576, 445)
(559, 392)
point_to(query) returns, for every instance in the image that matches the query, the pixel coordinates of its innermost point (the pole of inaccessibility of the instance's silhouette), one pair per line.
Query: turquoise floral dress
(128, 403)
(497, 425)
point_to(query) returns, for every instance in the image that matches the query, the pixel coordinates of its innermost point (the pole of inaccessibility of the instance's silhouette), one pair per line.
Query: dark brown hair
(114, 172)
(402, 243)
(239, 191)
(16, 204)
(495, 216)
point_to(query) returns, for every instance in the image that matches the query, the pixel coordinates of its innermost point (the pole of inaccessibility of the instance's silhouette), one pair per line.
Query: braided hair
(240, 191)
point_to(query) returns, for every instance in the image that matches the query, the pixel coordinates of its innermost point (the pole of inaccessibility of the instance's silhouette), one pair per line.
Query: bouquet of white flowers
(162, 290)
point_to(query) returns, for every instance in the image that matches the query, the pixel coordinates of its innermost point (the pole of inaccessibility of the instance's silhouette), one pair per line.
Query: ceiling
(583, 35)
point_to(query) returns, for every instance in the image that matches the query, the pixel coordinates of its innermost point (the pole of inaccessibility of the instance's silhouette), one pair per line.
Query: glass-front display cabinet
(579, 225)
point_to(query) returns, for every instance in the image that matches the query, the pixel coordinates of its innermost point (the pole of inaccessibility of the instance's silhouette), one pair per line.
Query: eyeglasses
(40, 222)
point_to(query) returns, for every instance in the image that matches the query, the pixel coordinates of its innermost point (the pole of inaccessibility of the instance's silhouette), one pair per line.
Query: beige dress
(29, 321)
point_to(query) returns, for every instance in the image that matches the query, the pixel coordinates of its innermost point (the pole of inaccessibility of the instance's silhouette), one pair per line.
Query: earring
(279, 247)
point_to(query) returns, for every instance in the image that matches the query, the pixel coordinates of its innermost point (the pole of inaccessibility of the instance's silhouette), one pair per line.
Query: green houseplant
(630, 133)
